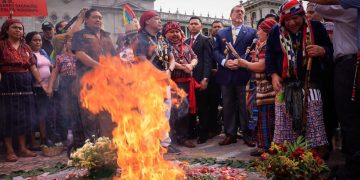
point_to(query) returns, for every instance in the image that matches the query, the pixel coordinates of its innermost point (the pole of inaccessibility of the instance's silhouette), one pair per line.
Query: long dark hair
(88, 14)
(29, 36)
(5, 27)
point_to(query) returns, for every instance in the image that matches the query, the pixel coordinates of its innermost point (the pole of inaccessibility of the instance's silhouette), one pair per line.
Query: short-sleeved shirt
(147, 47)
(43, 65)
(66, 64)
(188, 55)
(87, 41)
(15, 60)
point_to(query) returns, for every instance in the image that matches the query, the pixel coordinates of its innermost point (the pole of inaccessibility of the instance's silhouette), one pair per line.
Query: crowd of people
(295, 75)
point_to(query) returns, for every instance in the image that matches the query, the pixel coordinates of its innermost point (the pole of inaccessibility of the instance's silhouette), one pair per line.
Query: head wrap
(267, 24)
(290, 8)
(5, 27)
(146, 16)
(170, 26)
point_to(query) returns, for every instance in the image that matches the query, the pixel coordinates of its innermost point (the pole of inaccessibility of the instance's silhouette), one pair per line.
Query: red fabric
(192, 41)
(169, 26)
(290, 8)
(146, 16)
(13, 60)
(191, 97)
(267, 25)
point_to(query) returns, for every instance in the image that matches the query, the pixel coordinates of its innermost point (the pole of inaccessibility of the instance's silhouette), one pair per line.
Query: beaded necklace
(161, 50)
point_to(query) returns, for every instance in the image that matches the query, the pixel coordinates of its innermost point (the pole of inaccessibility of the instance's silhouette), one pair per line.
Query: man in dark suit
(202, 48)
(232, 77)
(214, 87)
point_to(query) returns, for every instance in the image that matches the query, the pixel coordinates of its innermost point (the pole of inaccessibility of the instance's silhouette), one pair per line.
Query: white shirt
(195, 36)
(237, 30)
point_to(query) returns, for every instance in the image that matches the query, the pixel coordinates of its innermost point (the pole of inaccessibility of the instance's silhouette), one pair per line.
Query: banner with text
(23, 7)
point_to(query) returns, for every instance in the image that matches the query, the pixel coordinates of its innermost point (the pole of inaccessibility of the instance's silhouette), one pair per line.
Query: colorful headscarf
(288, 9)
(146, 16)
(267, 24)
(175, 25)
(169, 26)
(6, 25)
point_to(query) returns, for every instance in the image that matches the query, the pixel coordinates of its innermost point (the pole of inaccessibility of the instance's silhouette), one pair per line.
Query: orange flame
(134, 96)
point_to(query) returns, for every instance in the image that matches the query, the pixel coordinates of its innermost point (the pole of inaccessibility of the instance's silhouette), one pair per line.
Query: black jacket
(274, 55)
(203, 51)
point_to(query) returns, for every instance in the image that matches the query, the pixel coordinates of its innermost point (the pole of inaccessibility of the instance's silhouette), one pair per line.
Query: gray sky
(213, 7)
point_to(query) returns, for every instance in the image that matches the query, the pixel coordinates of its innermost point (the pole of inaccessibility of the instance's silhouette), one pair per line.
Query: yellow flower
(307, 156)
(288, 162)
(274, 147)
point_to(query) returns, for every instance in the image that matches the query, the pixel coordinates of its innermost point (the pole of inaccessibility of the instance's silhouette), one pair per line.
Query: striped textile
(265, 125)
(265, 93)
(315, 128)
(17, 108)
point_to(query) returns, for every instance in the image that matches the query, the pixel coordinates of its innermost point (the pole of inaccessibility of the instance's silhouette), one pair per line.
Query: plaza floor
(210, 149)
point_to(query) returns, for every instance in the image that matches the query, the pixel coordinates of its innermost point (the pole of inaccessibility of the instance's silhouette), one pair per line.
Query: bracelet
(41, 81)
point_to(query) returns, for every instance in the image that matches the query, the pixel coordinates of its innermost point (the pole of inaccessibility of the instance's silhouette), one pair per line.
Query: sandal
(27, 153)
(11, 157)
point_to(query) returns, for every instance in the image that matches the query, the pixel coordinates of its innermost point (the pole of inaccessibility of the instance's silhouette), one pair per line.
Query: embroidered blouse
(15, 60)
(66, 64)
(188, 55)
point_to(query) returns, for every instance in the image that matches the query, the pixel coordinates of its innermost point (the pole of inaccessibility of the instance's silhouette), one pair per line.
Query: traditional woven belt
(16, 94)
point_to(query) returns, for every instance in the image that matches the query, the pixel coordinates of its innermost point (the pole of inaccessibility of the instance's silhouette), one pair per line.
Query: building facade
(257, 9)
(112, 14)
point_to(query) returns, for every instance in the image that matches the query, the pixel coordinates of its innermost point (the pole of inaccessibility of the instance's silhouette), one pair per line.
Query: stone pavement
(26, 164)
(236, 151)
(211, 148)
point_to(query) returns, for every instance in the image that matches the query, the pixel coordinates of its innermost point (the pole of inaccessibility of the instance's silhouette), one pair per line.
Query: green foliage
(35, 172)
(291, 161)
(220, 163)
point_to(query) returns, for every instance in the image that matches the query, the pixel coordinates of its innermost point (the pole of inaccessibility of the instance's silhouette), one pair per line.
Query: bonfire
(134, 95)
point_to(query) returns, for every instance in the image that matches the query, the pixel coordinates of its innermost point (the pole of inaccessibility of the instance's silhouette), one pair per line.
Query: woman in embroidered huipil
(185, 61)
(264, 110)
(290, 47)
(65, 67)
(17, 65)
